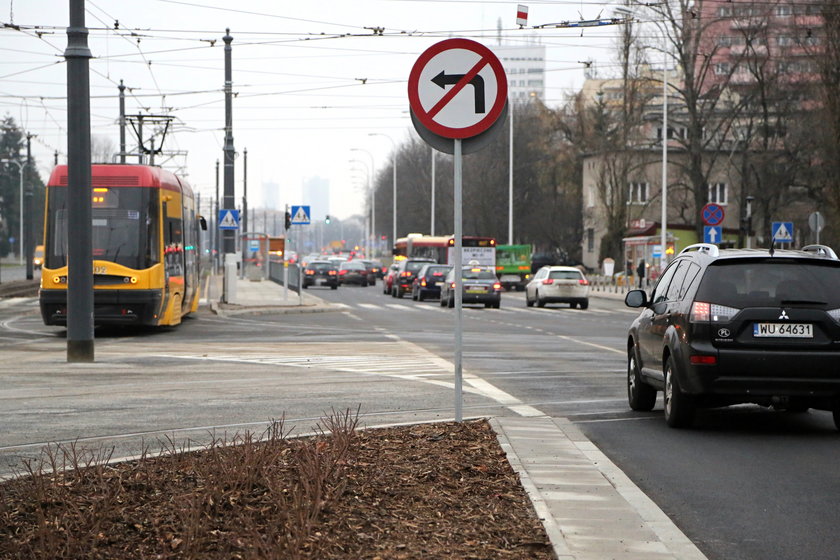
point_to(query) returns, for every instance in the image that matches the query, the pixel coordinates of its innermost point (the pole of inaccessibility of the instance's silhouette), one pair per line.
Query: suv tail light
(497, 286)
(583, 282)
(703, 360)
(342, 272)
(548, 281)
(702, 311)
(423, 282)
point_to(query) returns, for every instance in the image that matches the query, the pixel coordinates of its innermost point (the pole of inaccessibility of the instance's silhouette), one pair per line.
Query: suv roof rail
(708, 248)
(821, 250)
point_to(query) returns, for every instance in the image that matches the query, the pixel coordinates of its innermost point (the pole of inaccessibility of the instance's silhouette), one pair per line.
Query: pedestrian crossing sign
(300, 215)
(228, 219)
(782, 232)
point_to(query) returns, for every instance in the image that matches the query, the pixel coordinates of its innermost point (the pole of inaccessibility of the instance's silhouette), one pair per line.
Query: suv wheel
(679, 410)
(528, 301)
(540, 301)
(641, 396)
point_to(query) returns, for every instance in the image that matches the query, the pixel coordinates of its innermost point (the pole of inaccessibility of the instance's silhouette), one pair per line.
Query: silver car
(558, 284)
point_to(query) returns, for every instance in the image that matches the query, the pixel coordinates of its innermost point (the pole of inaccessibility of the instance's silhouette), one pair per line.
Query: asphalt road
(745, 483)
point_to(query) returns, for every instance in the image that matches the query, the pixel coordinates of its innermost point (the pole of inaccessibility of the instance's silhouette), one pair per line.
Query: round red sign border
(712, 207)
(486, 55)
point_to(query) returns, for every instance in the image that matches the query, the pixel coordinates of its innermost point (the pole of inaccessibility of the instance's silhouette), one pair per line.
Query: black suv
(723, 327)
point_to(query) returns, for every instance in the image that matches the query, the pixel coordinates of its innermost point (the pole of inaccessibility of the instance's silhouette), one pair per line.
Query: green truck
(513, 265)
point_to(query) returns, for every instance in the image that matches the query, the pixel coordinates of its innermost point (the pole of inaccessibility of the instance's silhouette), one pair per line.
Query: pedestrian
(640, 272)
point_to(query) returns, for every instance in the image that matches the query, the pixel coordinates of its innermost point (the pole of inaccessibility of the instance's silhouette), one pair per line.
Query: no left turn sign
(457, 88)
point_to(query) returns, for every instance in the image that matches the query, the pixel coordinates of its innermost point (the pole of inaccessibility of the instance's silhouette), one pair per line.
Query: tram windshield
(125, 226)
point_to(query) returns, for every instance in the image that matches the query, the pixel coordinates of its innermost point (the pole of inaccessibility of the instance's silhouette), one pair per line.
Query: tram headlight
(133, 279)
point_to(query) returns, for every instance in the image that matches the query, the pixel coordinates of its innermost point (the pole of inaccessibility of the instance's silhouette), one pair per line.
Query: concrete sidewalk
(590, 509)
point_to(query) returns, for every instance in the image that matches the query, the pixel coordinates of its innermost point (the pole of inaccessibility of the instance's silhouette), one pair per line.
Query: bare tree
(102, 148)
(699, 123)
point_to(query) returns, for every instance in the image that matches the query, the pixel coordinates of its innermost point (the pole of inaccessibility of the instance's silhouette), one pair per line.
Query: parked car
(480, 285)
(732, 326)
(320, 273)
(388, 279)
(558, 284)
(428, 281)
(353, 272)
(405, 275)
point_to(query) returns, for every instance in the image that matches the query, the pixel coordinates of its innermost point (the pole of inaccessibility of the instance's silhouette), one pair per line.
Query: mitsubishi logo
(784, 315)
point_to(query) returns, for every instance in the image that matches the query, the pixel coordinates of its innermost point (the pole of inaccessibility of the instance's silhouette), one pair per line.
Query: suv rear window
(771, 282)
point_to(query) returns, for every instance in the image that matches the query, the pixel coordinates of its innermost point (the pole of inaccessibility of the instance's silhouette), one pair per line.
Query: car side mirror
(636, 298)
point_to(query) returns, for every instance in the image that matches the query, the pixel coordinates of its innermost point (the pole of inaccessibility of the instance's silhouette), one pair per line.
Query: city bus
(145, 247)
(475, 249)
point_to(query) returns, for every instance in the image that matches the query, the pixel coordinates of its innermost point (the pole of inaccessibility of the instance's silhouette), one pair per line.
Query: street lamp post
(394, 144)
(372, 199)
(20, 201)
(368, 173)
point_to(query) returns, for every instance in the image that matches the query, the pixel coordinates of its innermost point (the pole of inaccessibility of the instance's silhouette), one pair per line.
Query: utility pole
(122, 122)
(216, 226)
(244, 210)
(79, 213)
(229, 154)
(140, 139)
(29, 230)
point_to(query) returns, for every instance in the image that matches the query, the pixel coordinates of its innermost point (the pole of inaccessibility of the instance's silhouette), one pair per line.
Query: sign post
(457, 90)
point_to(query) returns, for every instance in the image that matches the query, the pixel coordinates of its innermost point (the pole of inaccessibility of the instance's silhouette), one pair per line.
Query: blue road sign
(228, 219)
(712, 234)
(300, 215)
(782, 232)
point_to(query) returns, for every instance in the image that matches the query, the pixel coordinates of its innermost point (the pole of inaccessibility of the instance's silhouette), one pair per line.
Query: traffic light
(327, 219)
(288, 220)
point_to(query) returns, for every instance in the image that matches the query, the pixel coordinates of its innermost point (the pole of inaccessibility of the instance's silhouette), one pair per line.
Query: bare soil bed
(429, 491)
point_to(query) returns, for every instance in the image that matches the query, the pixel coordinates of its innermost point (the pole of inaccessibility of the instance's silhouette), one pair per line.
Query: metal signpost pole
(457, 265)
(457, 91)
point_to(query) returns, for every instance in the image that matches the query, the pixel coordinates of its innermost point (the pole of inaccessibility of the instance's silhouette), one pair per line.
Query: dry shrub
(246, 497)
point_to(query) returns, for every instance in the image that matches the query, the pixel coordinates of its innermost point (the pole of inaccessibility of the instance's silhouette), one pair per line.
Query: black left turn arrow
(477, 82)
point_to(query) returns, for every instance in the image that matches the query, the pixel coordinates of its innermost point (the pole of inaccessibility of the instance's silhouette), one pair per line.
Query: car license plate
(476, 290)
(783, 330)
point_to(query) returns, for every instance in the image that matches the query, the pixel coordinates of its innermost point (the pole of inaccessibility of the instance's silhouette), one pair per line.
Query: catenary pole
(80, 347)
(229, 239)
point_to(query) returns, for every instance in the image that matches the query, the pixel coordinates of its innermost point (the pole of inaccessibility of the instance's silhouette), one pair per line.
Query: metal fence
(277, 272)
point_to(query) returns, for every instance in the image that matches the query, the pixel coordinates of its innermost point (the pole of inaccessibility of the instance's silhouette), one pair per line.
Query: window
(674, 287)
(590, 240)
(718, 193)
(723, 68)
(638, 193)
(783, 10)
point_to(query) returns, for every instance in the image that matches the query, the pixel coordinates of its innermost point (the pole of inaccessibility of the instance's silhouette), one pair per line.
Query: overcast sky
(312, 82)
